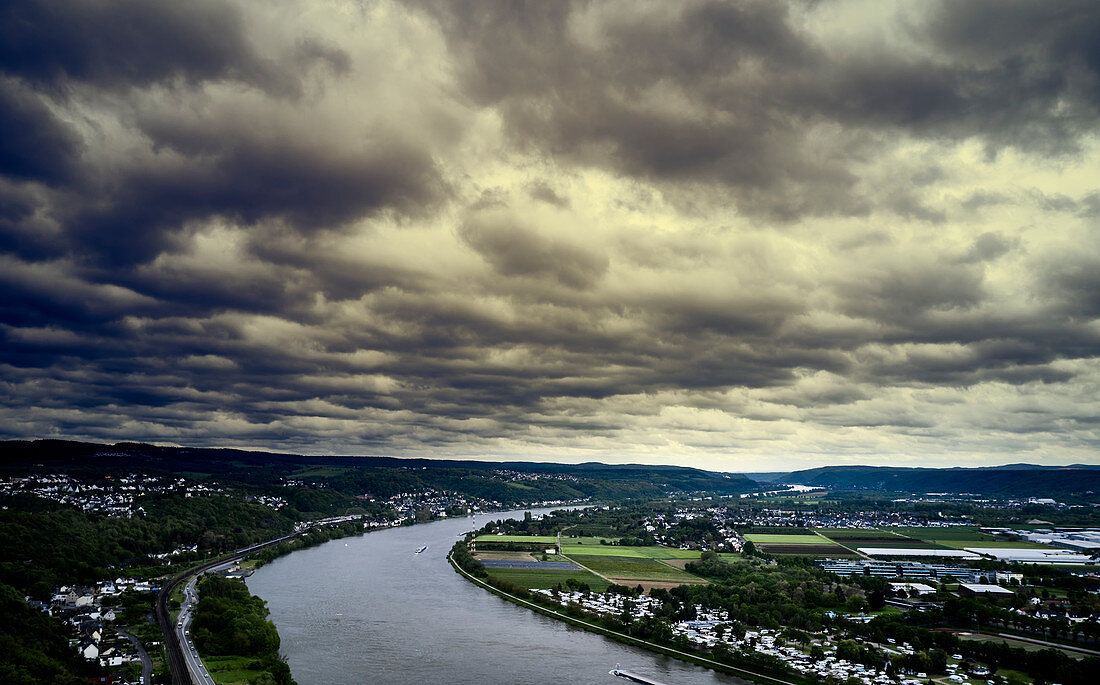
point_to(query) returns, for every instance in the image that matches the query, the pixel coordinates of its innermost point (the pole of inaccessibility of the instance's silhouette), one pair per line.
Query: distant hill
(593, 479)
(766, 476)
(1013, 480)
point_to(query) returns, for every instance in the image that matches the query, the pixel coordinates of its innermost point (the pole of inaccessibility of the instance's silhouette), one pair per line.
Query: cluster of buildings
(727, 520)
(906, 570)
(918, 579)
(606, 603)
(1082, 541)
(983, 501)
(434, 504)
(1060, 557)
(514, 476)
(183, 549)
(711, 628)
(88, 612)
(726, 538)
(273, 501)
(710, 631)
(431, 504)
(110, 495)
(859, 519)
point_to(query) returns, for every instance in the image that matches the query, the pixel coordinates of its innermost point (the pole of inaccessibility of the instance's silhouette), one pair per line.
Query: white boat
(421, 549)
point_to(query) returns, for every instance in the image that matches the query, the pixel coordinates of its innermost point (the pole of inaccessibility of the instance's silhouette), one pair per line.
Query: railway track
(176, 664)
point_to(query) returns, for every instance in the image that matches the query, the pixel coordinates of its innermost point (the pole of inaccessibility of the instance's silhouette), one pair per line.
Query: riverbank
(232, 632)
(696, 659)
(369, 609)
(311, 538)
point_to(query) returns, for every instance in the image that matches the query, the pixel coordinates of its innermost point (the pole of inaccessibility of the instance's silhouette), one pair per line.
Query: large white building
(988, 590)
(1033, 556)
(910, 552)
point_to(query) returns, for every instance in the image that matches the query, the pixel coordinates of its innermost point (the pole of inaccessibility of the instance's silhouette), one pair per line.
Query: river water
(369, 610)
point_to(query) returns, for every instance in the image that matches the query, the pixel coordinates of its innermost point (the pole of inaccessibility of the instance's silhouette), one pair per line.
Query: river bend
(369, 610)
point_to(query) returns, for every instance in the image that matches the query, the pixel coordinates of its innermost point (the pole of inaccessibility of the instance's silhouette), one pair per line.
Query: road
(182, 658)
(146, 662)
(195, 668)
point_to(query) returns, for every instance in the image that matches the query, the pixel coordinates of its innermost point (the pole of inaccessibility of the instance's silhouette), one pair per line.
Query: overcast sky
(743, 236)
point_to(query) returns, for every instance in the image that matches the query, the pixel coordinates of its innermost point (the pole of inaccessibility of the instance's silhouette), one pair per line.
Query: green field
(590, 530)
(778, 530)
(535, 539)
(942, 535)
(999, 544)
(772, 539)
(859, 533)
(817, 551)
(546, 578)
(230, 670)
(617, 551)
(901, 543)
(887, 611)
(1017, 643)
(634, 568)
(583, 540)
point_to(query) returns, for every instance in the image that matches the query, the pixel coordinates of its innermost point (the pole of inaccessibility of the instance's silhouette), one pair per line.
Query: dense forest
(229, 621)
(1017, 480)
(505, 482)
(35, 647)
(786, 593)
(49, 544)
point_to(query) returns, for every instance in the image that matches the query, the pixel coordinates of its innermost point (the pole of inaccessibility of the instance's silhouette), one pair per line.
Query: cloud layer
(737, 235)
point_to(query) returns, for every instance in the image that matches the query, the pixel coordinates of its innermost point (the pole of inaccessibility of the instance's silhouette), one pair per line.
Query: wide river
(369, 610)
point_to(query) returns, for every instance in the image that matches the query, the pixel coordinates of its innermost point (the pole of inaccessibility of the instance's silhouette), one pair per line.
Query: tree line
(229, 621)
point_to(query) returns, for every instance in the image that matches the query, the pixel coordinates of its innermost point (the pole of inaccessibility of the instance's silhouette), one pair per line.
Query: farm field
(589, 530)
(815, 550)
(942, 535)
(547, 579)
(539, 539)
(493, 555)
(231, 670)
(1031, 647)
(773, 539)
(617, 551)
(778, 530)
(585, 539)
(505, 556)
(635, 569)
(998, 544)
(857, 533)
(906, 543)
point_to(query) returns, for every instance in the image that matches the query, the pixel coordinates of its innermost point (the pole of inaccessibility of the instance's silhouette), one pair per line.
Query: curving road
(183, 662)
(146, 662)
(196, 670)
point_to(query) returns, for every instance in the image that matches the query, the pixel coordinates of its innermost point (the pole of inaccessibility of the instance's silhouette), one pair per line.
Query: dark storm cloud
(128, 43)
(516, 250)
(597, 103)
(34, 145)
(248, 180)
(529, 227)
(730, 93)
(1074, 283)
(902, 292)
(988, 246)
(540, 190)
(200, 166)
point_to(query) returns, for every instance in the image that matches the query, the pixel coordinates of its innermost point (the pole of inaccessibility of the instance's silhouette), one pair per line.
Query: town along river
(369, 610)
